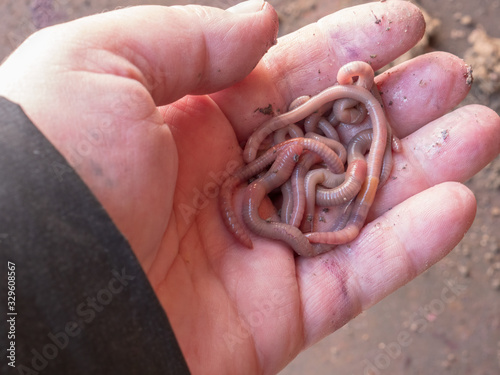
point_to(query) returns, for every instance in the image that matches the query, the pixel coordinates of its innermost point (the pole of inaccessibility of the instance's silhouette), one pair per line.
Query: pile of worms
(321, 183)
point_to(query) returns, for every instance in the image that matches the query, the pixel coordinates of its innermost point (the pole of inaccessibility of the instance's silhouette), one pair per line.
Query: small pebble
(450, 358)
(446, 364)
(466, 251)
(464, 270)
(489, 257)
(457, 34)
(466, 20)
(334, 350)
(490, 271)
(495, 248)
(484, 240)
(495, 284)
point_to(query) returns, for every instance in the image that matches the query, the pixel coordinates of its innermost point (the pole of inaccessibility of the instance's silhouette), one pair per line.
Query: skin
(235, 310)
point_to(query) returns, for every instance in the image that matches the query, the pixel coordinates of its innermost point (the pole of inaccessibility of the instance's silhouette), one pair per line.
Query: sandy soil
(447, 321)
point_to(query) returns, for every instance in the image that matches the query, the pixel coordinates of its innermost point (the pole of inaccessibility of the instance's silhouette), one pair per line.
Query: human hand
(113, 93)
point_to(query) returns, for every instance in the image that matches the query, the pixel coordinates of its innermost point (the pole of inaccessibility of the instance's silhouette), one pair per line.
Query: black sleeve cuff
(82, 303)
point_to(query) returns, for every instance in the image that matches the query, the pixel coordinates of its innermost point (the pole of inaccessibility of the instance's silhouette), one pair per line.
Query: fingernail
(250, 6)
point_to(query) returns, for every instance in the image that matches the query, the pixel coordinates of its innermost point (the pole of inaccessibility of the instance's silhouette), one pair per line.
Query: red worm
(230, 218)
(298, 191)
(361, 207)
(330, 94)
(255, 193)
(311, 170)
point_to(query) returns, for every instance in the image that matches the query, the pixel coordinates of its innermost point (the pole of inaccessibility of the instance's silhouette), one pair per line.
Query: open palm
(149, 106)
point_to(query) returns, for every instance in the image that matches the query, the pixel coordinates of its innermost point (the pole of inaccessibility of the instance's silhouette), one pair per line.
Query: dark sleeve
(74, 297)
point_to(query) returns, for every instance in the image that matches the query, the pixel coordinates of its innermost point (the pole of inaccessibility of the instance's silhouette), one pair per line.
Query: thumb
(172, 51)
(187, 49)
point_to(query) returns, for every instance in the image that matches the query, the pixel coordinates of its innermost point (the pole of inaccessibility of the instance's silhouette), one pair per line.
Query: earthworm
(311, 122)
(331, 143)
(230, 218)
(395, 142)
(298, 102)
(357, 219)
(346, 190)
(317, 151)
(329, 219)
(312, 179)
(342, 221)
(328, 129)
(354, 178)
(386, 166)
(287, 204)
(313, 168)
(328, 95)
(255, 193)
(292, 130)
(306, 161)
(237, 178)
(360, 69)
(345, 235)
(349, 110)
(316, 119)
(359, 145)
(361, 207)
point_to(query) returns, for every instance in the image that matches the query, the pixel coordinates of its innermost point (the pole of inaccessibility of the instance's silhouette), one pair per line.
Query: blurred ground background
(447, 321)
